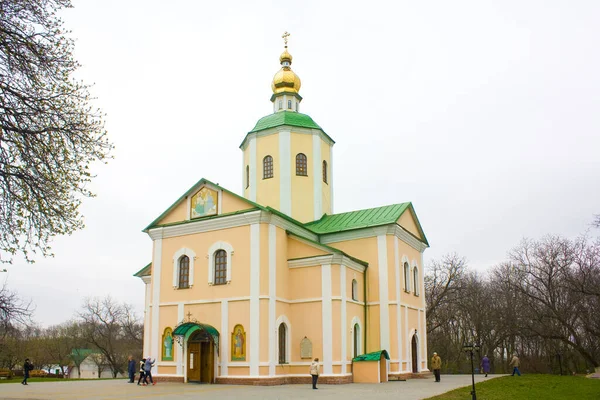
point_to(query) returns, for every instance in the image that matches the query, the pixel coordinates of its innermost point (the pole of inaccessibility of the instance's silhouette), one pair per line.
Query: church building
(250, 288)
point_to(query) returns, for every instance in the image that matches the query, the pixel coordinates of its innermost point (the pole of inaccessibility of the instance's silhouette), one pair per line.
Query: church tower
(287, 162)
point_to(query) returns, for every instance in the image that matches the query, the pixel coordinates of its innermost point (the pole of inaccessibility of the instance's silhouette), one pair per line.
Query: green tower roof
(285, 118)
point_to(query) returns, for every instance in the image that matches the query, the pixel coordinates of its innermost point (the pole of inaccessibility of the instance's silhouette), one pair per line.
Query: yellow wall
(326, 187)
(302, 186)
(408, 222)
(267, 190)
(366, 372)
(298, 249)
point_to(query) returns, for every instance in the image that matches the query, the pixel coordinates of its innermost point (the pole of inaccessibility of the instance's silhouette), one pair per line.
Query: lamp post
(470, 349)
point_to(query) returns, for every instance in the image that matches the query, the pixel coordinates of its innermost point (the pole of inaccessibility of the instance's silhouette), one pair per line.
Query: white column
(407, 340)
(147, 315)
(225, 337)
(398, 287)
(327, 319)
(180, 317)
(156, 278)
(285, 173)
(344, 326)
(331, 176)
(317, 177)
(252, 164)
(384, 313)
(272, 297)
(254, 352)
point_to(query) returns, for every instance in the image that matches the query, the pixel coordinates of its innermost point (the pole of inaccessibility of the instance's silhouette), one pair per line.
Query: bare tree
(99, 361)
(13, 310)
(49, 133)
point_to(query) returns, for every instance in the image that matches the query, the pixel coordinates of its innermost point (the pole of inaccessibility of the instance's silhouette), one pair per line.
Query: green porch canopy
(375, 356)
(186, 327)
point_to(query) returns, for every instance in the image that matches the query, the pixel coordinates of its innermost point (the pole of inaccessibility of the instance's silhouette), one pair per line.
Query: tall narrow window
(301, 165)
(296, 106)
(220, 267)
(356, 340)
(267, 167)
(354, 290)
(289, 104)
(324, 171)
(282, 343)
(406, 277)
(184, 272)
(280, 104)
(247, 176)
(416, 281)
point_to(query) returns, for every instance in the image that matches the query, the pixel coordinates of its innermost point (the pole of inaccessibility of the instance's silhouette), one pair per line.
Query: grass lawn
(528, 387)
(18, 379)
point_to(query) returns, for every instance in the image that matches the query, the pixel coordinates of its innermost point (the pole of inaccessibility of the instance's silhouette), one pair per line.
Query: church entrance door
(415, 355)
(201, 358)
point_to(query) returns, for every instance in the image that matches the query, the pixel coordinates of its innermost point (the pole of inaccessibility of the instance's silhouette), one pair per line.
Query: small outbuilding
(371, 367)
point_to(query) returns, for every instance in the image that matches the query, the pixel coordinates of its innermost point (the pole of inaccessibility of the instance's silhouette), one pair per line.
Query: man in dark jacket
(26, 368)
(131, 368)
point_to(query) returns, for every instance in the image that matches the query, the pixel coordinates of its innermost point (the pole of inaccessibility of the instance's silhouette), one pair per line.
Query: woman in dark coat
(26, 368)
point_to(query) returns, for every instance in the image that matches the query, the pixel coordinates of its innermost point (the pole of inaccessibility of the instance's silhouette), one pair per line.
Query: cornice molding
(364, 233)
(329, 259)
(286, 128)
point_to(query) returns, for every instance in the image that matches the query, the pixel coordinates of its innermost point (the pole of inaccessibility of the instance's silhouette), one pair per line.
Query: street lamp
(470, 349)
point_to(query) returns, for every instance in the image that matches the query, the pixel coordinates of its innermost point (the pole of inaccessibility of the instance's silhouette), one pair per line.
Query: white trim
(147, 315)
(406, 274)
(180, 355)
(317, 178)
(398, 285)
(277, 129)
(343, 322)
(285, 173)
(424, 311)
(355, 321)
(156, 278)
(331, 176)
(327, 259)
(407, 341)
(220, 245)
(391, 229)
(413, 333)
(416, 282)
(384, 312)
(272, 298)
(327, 319)
(225, 337)
(419, 343)
(254, 352)
(184, 251)
(288, 337)
(252, 163)
(188, 205)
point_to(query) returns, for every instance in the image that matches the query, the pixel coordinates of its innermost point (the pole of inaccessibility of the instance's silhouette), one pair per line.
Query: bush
(38, 373)
(6, 373)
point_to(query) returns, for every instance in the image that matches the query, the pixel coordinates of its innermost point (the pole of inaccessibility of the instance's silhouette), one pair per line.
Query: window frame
(354, 290)
(228, 248)
(176, 257)
(406, 277)
(220, 269)
(415, 280)
(282, 351)
(301, 164)
(183, 273)
(268, 167)
(247, 176)
(325, 172)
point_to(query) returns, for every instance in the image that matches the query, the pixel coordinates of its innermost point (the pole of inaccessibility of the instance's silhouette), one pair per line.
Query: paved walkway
(413, 389)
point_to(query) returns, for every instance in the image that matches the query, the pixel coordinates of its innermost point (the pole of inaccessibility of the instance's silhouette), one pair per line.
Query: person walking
(148, 369)
(142, 374)
(515, 363)
(485, 365)
(436, 365)
(314, 372)
(131, 368)
(27, 366)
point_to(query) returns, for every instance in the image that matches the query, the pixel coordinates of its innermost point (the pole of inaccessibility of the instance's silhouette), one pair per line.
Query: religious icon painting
(204, 203)
(167, 345)
(238, 344)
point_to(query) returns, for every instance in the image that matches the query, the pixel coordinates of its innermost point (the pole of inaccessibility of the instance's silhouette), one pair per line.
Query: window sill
(406, 291)
(306, 176)
(270, 177)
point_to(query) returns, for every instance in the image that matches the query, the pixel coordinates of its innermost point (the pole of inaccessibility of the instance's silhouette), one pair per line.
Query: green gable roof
(285, 118)
(375, 356)
(144, 271)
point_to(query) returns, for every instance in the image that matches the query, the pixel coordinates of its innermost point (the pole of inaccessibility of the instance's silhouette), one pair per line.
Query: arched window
(267, 167)
(354, 290)
(184, 273)
(220, 267)
(356, 341)
(301, 165)
(282, 343)
(247, 176)
(416, 281)
(406, 277)
(324, 171)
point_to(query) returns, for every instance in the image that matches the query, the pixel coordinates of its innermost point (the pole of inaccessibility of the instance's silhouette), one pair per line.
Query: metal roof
(375, 356)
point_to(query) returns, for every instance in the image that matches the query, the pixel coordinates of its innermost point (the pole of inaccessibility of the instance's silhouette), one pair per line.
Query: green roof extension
(144, 271)
(367, 218)
(285, 118)
(374, 356)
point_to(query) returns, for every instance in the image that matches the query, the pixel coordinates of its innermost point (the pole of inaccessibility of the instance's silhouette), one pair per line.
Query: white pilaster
(147, 316)
(156, 278)
(252, 164)
(384, 314)
(331, 176)
(272, 298)
(180, 317)
(407, 341)
(285, 173)
(254, 352)
(424, 306)
(327, 319)
(344, 325)
(317, 176)
(398, 288)
(225, 337)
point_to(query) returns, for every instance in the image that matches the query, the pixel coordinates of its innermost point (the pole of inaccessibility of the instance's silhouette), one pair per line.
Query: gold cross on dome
(285, 37)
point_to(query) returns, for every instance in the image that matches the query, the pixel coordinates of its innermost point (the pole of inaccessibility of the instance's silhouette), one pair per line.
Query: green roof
(144, 271)
(285, 118)
(370, 217)
(375, 356)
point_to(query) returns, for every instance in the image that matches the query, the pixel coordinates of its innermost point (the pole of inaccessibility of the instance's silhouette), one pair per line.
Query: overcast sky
(484, 114)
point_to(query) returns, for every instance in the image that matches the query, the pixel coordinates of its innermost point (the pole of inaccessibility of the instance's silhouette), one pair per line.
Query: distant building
(89, 365)
(248, 289)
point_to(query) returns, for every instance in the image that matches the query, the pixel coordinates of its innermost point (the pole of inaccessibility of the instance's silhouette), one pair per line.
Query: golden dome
(285, 80)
